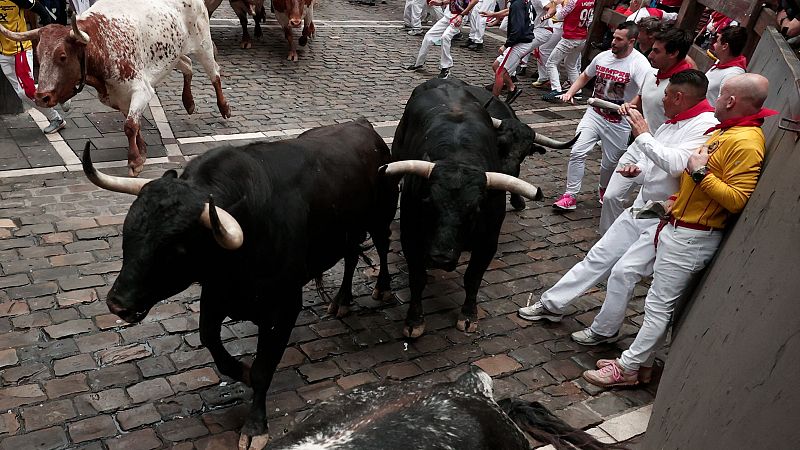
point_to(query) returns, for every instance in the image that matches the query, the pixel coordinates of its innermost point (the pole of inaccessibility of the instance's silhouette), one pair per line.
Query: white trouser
(477, 22)
(569, 51)
(682, 253)
(623, 255)
(617, 197)
(593, 128)
(544, 53)
(441, 29)
(414, 11)
(511, 57)
(9, 70)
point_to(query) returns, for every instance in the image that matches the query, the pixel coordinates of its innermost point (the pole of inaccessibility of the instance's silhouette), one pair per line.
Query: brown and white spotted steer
(291, 14)
(124, 48)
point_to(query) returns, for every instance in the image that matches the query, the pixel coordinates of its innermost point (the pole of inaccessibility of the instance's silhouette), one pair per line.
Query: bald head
(741, 95)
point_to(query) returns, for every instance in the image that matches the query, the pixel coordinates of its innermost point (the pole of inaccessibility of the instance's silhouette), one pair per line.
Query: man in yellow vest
(16, 59)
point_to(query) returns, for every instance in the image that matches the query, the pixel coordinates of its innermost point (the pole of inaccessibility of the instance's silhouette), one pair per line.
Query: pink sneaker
(567, 202)
(611, 375)
(602, 192)
(645, 373)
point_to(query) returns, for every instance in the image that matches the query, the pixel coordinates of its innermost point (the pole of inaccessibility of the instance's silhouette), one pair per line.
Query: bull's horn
(19, 37)
(412, 166)
(112, 183)
(77, 33)
(226, 229)
(496, 180)
(552, 143)
(496, 122)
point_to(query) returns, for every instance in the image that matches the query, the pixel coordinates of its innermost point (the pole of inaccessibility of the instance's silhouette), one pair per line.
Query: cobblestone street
(75, 376)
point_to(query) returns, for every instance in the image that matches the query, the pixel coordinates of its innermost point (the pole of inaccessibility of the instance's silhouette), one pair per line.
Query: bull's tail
(542, 425)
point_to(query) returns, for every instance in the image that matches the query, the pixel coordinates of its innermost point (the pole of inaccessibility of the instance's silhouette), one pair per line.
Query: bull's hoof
(135, 167)
(517, 202)
(246, 44)
(413, 331)
(258, 33)
(292, 56)
(467, 325)
(225, 110)
(257, 442)
(383, 296)
(302, 41)
(338, 310)
(189, 107)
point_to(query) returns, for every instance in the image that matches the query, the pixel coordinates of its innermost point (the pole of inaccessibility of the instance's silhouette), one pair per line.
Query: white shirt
(715, 79)
(653, 100)
(662, 156)
(617, 80)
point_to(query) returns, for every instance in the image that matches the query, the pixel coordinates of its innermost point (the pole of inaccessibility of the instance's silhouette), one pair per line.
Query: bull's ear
(171, 173)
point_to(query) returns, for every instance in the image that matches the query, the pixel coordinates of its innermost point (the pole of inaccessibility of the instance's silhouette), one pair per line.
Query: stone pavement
(74, 376)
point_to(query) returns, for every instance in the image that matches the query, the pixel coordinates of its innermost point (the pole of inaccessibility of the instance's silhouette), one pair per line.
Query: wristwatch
(699, 173)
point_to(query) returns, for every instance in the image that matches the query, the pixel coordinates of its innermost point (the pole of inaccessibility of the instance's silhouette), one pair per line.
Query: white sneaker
(55, 125)
(589, 337)
(537, 311)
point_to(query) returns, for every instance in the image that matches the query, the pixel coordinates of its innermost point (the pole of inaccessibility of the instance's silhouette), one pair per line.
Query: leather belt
(692, 226)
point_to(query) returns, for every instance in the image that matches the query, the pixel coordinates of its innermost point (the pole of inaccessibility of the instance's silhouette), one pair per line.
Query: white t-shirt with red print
(617, 80)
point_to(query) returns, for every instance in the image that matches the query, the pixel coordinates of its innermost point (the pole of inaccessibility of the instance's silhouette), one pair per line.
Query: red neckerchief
(679, 67)
(739, 61)
(755, 120)
(700, 108)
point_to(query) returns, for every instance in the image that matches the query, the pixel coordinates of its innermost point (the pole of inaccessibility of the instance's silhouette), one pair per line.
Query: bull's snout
(45, 99)
(295, 23)
(445, 260)
(127, 314)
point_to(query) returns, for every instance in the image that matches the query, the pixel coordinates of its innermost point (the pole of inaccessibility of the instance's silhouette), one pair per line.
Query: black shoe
(522, 71)
(458, 36)
(413, 67)
(475, 46)
(514, 78)
(467, 43)
(489, 87)
(512, 95)
(444, 73)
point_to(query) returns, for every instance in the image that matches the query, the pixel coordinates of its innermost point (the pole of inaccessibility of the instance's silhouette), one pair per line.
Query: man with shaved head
(719, 178)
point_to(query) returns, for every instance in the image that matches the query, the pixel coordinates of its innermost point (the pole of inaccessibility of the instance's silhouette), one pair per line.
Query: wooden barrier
(730, 381)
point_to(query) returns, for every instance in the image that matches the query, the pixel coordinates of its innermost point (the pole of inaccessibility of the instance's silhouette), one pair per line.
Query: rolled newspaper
(603, 104)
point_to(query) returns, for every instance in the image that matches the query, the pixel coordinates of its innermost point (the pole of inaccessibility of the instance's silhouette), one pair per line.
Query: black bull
(281, 214)
(463, 160)
(461, 415)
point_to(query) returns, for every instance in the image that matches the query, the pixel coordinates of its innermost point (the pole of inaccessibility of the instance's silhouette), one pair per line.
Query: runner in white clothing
(728, 48)
(668, 57)
(619, 75)
(626, 252)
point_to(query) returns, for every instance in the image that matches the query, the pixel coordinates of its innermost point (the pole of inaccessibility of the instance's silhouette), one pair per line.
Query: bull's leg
(210, 336)
(271, 345)
(210, 66)
(242, 15)
(478, 263)
(283, 20)
(259, 17)
(308, 28)
(340, 305)
(417, 278)
(381, 234)
(185, 66)
(136, 155)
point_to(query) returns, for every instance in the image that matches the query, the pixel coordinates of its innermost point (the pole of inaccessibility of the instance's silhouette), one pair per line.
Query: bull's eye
(62, 58)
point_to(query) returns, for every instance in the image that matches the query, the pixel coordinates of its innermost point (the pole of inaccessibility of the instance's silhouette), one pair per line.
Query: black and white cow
(461, 161)
(253, 225)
